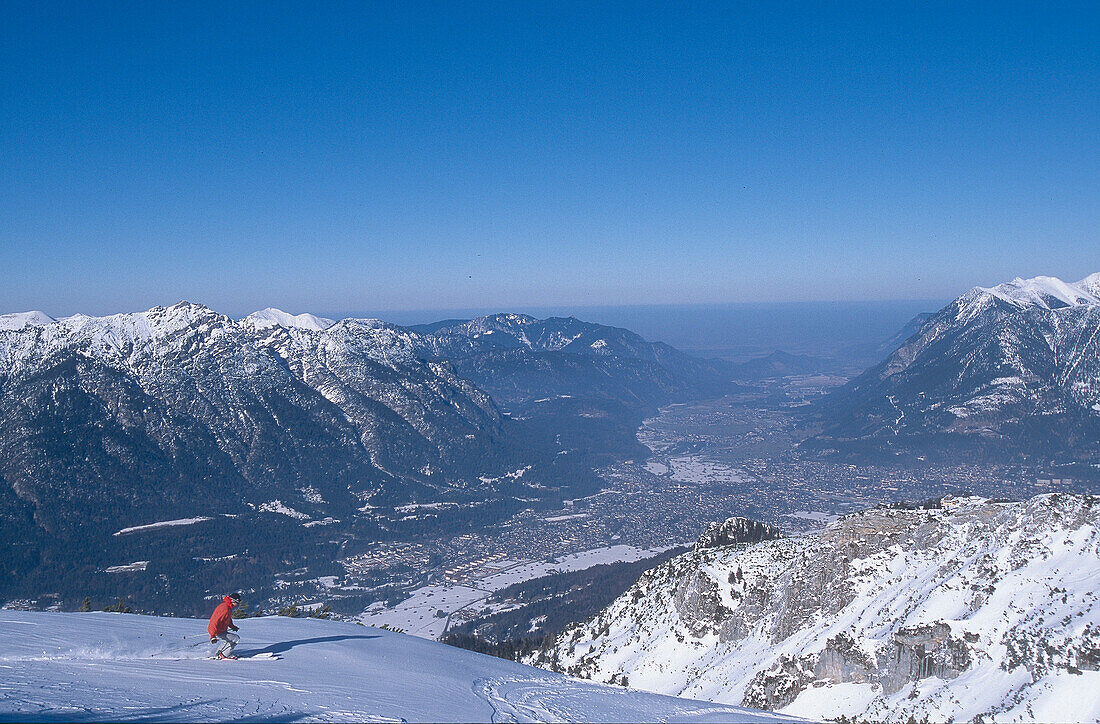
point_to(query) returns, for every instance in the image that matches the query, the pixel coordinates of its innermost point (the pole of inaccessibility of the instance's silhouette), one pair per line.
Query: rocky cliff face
(974, 609)
(736, 530)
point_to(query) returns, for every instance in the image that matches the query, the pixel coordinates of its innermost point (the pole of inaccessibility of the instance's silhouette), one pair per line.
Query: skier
(221, 621)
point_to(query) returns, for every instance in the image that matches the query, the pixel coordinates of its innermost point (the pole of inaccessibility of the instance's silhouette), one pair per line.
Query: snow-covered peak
(1090, 284)
(272, 317)
(1045, 292)
(22, 320)
(31, 340)
(138, 327)
(513, 323)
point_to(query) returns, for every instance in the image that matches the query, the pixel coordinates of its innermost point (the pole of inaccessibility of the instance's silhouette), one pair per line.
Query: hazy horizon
(733, 331)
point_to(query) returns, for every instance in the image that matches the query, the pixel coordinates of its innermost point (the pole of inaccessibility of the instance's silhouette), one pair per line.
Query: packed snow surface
(120, 667)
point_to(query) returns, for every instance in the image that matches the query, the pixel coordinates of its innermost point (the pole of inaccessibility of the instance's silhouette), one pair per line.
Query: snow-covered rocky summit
(22, 320)
(121, 667)
(1014, 367)
(175, 400)
(1040, 291)
(976, 608)
(736, 530)
(272, 317)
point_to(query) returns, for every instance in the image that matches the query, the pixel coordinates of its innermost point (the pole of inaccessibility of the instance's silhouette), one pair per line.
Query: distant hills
(518, 359)
(780, 364)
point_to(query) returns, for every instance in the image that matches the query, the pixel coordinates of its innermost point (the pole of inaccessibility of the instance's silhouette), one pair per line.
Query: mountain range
(181, 413)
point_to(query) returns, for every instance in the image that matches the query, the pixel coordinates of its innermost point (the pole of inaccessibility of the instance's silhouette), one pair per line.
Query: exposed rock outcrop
(736, 530)
(892, 605)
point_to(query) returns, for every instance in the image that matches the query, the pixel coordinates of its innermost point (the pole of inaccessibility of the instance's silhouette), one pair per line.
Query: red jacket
(222, 618)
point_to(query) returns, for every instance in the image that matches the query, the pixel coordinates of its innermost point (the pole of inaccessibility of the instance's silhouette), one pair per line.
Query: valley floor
(468, 594)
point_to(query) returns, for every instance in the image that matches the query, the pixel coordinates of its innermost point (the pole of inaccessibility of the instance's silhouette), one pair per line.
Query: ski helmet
(235, 598)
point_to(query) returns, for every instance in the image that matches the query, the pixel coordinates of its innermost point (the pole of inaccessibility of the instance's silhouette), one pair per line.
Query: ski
(246, 657)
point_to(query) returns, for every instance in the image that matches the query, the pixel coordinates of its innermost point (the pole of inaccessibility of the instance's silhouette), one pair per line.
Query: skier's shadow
(284, 646)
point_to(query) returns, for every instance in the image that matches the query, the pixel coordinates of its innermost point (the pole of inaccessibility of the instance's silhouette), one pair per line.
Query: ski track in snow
(524, 699)
(123, 667)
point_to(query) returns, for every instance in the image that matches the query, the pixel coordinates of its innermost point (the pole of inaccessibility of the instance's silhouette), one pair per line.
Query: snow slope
(121, 667)
(22, 320)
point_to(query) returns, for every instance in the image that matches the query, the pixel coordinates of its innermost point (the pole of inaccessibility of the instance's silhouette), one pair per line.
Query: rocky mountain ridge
(1008, 370)
(971, 609)
(519, 359)
(188, 395)
(265, 425)
(736, 530)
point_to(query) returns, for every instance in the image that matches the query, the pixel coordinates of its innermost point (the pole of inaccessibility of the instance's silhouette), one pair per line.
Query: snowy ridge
(119, 667)
(978, 609)
(118, 337)
(125, 339)
(555, 334)
(232, 393)
(1036, 293)
(1015, 367)
(21, 320)
(272, 317)
(1090, 284)
(1045, 292)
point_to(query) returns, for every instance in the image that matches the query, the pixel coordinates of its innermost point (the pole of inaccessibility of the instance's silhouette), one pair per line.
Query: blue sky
(395, 156)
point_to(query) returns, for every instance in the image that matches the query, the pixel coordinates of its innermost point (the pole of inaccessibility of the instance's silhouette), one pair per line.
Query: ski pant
(228, 643)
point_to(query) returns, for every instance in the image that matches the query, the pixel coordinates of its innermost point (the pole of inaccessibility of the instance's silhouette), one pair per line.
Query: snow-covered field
(417, 614)
(656, 467)
(121, 667)
(694, 469)
(699, 470)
